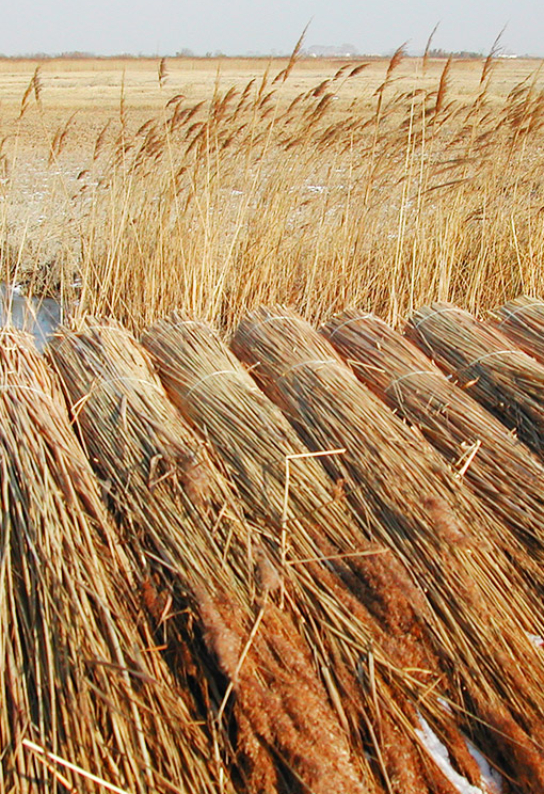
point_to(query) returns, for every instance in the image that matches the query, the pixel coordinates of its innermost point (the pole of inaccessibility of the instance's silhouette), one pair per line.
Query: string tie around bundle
(22, 387)
(366, 316)
(444, 310)
(274, 318)
(519, 310)
(410, 375)
(208, 377)
(486, 356)
(312, 362)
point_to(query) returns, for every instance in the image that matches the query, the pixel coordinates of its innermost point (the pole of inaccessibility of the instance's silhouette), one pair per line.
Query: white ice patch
(439, 753)
(490, 776)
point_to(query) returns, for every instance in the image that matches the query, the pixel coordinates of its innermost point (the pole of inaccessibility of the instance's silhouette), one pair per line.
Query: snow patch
(491, 780)
(490, 776)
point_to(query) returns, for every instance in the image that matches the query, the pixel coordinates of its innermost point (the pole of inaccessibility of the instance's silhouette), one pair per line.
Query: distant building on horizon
(324, 51)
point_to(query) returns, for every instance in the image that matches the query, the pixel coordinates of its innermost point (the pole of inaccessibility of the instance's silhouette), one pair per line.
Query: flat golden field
(216, 184)
(93, 87)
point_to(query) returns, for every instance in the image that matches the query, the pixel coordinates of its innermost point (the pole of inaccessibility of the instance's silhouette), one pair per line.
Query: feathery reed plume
(162, 72)
(34, 87)
(442, 87)
(284, 74)
(428, 47)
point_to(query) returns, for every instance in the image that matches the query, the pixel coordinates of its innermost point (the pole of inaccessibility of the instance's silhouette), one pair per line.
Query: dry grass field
(213, 185)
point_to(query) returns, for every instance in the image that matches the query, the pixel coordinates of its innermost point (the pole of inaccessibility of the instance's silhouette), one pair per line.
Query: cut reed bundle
(418, 509)
(79, 672)
(177, 513)
(494, 465)
(367, 601)
(504, 379)
(522, 321)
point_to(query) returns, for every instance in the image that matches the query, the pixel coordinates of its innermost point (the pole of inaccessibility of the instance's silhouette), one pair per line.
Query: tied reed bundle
(419, 510)
(370, 599)
(494, 465)
(79, 674)
(522, 321)
(244, 657)
(504, 379)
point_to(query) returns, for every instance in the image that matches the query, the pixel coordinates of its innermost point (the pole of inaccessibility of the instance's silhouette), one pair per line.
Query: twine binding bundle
(522, 321)
(78, 672)
(270, 714)
(440, 534)
(503, 378)
(475, 444)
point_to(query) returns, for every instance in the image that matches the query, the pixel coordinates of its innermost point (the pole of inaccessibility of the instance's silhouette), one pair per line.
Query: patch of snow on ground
(490, 776)
(440, 755)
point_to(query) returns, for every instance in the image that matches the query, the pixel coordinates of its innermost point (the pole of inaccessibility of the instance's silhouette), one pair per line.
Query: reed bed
(476, 445)
(387, 192)
(226, 638)
(79, 673)
(356, 597)
(491, 368)
(522, 321)
(441, 534)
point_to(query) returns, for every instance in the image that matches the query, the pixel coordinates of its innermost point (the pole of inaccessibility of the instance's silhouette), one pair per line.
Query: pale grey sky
(241, 26)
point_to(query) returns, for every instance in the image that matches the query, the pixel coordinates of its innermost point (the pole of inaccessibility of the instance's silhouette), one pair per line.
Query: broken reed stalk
(177, 511)
(79, 673)
(492, 369)
(495, 466)
(368, 601)
(401, 488)
(522, 321)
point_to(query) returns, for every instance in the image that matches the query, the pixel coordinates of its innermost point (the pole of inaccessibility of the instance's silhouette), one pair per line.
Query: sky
(164, 27)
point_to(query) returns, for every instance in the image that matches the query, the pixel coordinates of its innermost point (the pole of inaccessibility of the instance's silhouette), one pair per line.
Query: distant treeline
(312, 52)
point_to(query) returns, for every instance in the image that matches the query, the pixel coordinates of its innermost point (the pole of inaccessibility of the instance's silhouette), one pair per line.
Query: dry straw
(477, 446)
(358, 600)
(79, 672)
(348, 191)
(503, 378)
(404, 492)
(259, 692)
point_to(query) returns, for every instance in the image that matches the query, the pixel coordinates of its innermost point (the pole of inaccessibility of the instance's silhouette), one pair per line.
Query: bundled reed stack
(522, 321)
(503, 378)
(244, 655)
(495, 466)
(369, 601)
(79, 674)
(419, 510)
